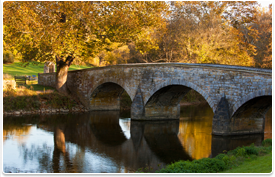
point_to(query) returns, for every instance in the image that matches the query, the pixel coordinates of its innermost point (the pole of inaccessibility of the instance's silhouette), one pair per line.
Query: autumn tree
(209, 32)
(263, 25)
(65, 31)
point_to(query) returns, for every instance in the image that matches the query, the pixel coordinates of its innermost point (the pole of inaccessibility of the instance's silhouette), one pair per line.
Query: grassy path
(263, 164)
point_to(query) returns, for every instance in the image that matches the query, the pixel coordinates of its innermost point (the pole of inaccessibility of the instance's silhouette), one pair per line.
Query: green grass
(17, 69)
(246, 159)
(263, 164)
(36, 87)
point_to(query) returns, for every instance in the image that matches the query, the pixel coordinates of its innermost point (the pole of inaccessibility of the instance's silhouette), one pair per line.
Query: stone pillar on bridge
(221, 119)
(137, 107)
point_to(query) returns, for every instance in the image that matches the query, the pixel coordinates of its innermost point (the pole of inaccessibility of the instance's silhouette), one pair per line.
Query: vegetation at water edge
(238, 160)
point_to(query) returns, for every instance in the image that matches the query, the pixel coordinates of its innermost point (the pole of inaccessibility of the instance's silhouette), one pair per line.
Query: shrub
(183, 167)
(267, 142)
(205, 165)
(211, 165)
(249, 150)
(8, 57)
(240, 152)
(226, 159)
(220, 156)
(221, 162)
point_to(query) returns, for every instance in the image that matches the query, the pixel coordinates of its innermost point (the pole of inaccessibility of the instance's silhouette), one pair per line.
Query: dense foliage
(44, 30)
(109, 32)
(232, 32)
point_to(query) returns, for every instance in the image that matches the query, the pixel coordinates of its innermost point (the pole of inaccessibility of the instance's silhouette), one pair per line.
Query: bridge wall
(142, 82)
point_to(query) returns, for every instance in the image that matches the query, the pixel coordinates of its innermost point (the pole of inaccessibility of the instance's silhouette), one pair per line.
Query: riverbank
(24, 101)
(33, 99)
(246, 159)
(262, 164)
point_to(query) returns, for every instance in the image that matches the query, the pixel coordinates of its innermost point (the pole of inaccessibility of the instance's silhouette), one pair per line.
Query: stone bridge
(238, 96)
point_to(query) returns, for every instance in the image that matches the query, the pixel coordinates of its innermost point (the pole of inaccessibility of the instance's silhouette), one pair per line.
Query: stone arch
(243, 100)
(115, 81)
(249, 112)
(182, 83)
(105, 95)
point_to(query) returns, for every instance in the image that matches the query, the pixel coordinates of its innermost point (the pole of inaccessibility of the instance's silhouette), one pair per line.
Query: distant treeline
(232, 33)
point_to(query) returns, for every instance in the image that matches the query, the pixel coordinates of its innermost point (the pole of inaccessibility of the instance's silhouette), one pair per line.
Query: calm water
(109, 142)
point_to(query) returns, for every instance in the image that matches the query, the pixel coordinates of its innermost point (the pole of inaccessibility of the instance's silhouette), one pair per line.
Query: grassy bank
(29, 100)
(36, 96)
(246, 159)
(262, 164)
(18, 69)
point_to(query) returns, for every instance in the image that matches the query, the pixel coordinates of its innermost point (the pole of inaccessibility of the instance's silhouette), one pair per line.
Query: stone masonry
(238, 96)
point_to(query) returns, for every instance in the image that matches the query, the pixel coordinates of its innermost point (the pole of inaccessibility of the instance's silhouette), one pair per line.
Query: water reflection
(99, 142)
(268, 125)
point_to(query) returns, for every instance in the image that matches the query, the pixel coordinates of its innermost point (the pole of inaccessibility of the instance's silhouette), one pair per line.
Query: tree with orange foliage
(62, 31)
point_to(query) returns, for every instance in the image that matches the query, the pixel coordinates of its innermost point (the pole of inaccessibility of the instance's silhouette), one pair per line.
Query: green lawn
(16, 69)
(263, 164)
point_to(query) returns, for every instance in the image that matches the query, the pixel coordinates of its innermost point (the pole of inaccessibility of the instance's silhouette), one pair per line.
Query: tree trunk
(62, 73)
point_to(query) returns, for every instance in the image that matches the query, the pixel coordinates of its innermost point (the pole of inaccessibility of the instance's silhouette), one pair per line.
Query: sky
(265, 3)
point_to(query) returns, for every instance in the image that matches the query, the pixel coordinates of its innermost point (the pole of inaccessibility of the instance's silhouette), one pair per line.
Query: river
(109, 142)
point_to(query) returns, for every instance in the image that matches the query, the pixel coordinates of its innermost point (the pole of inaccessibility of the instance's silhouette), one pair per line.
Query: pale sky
(265, 3)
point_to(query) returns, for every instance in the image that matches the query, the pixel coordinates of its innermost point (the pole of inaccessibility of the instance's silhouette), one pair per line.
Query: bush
(249, 150)
(211, 165)
(267, 142)
(220, 156)
(221, 162)
(182, 167)
(205, 165)
(240, 152)
(8, 57)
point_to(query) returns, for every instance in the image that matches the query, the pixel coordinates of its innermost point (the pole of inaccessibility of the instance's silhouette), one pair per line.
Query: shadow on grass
(36, 87)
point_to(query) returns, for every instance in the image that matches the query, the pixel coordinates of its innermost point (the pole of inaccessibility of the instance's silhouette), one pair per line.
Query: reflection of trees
(18, 133)
(60, 160)
(195, 130)
(268, 124)
(17, 128)
(60, 150)
(41, 154)
(195, 136)
(150, 143)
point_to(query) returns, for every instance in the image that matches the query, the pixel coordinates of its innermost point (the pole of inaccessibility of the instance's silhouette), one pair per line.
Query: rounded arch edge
(104, 80)
(258, 93)
(185, 83)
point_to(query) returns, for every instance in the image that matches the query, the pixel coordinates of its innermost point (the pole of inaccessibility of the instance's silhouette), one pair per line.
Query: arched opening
(250, 117)
(165, 103)
(109, 96)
